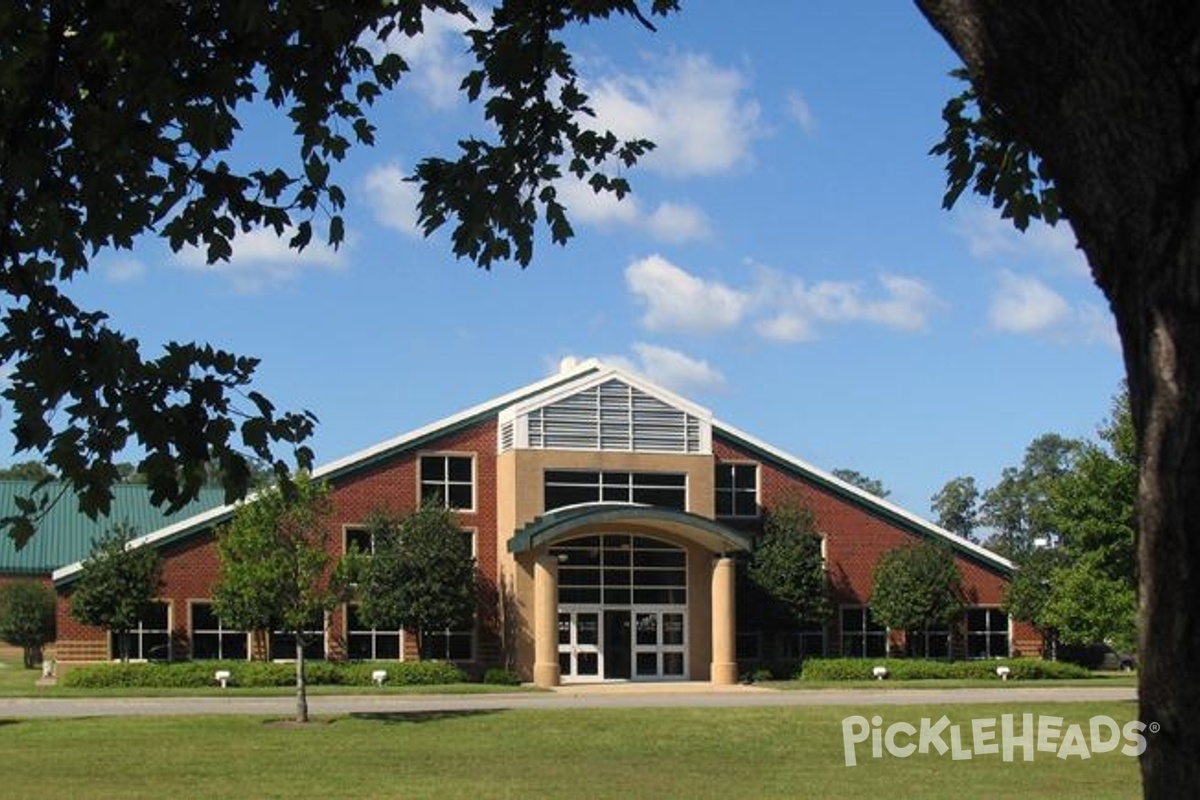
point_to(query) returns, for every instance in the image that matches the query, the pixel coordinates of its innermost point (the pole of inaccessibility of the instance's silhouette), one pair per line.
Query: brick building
(608, 517)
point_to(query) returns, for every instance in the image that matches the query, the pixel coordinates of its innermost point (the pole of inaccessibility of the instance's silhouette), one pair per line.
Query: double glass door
(639, 643)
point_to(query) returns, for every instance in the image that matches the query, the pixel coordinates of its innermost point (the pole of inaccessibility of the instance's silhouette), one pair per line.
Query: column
(724, 663)
(545, 622)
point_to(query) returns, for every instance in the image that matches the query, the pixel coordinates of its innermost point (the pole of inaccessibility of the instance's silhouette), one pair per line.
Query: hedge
(195, 674)
(916, 669)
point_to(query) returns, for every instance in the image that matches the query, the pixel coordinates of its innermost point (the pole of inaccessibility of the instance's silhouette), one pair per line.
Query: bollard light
(223, 676)
(880, 672)
(379, 676)
(1003, 672)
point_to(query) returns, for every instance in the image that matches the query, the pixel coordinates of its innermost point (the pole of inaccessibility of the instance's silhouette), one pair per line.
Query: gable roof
(65, 535)
(572, 378)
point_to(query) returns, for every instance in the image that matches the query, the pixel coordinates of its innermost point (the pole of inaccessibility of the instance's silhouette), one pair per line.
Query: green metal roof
(65, 534)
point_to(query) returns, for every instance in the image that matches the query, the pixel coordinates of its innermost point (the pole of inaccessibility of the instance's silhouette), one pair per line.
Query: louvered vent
(610, 416)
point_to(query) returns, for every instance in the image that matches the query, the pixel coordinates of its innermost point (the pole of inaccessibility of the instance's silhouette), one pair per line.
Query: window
(364, 643)
(737, 490)
(150, 639)
(932, 642)
(570, 487)
(987, 633)
(621, 570)
(283, 643)
(451, 645)
(359, 539)
(448, 480)
(862, 635)
(807, 641)
(211, 639)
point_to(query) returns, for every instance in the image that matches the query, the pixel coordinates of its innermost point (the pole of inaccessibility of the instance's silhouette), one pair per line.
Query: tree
(916, 586)
(788, 566)
(26, 471)
(1086, 111)
(1031, 589)
(27, 618)
(420, 575)
(1017, 509)
(864, 482)
(276, 567)
(957, 506)
(1086, 606)
(115, 585)
(118, 125)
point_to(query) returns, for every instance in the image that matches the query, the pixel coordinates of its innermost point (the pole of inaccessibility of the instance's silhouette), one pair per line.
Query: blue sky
(784, 261)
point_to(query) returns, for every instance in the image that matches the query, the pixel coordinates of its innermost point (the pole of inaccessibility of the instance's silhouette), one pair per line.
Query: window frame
(138, 635)
(373, 634)
(608, 483)
(221, 632)
(446, 483)
(734, 491)
(988, 633)
(864, 632)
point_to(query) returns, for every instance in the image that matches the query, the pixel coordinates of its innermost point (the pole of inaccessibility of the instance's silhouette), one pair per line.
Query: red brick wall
(856, 539)
(191, 566)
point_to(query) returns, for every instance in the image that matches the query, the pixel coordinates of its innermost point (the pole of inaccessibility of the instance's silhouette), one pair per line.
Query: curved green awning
(565, 522)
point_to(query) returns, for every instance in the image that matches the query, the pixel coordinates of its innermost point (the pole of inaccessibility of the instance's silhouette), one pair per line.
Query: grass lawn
(594, 753)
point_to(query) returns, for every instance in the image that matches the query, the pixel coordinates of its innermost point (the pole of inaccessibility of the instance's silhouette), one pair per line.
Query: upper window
(359, 539)
(448, 481)
(565, 487)
(737, 490)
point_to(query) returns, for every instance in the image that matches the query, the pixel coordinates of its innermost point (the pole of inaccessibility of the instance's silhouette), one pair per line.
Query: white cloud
(1024, 304)
(797, 307)
(124, 270)
(262, 260)
(437, 57)
(800, 111)
(678, 301)
(393, 201)
(694, 110)
(669, 368)
(584, 204)
(990, 237)
(676, 223)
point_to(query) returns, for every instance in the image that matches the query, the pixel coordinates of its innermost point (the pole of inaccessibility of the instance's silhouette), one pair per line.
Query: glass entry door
(622, 644)
(622, 608)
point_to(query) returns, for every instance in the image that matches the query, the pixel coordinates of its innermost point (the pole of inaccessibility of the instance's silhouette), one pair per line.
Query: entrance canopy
(565, 522)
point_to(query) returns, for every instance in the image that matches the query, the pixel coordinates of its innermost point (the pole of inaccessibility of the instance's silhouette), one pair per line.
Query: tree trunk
(301, 683)
(1107, 93)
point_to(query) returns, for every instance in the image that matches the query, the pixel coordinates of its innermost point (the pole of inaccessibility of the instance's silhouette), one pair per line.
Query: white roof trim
(921, 522)
(214, 515)
(564, 383)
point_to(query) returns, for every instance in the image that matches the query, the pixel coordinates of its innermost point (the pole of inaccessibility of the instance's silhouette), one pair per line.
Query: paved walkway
(684, 695)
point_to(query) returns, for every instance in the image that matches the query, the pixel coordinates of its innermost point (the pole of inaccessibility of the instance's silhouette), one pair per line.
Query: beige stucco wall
(519, 486)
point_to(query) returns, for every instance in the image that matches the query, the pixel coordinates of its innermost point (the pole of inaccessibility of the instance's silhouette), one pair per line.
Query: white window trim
(191, 603)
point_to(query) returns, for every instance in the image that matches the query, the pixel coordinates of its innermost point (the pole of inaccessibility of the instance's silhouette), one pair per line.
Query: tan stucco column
(545, 622)
(724, 662)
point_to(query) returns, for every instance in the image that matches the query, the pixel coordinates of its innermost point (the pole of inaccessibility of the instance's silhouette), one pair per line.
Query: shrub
(499, 676)
(197, 674)
(915, 669)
